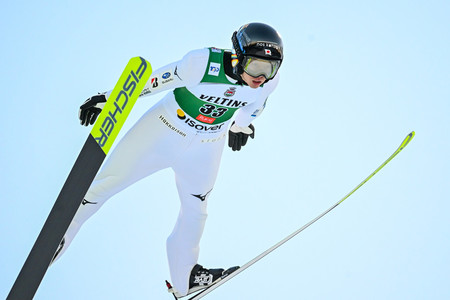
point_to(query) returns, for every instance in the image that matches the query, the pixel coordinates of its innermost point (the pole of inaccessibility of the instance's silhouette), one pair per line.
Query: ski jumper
(186, 131)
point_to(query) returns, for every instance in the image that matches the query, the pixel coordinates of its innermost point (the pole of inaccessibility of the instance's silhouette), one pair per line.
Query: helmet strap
(238, 69)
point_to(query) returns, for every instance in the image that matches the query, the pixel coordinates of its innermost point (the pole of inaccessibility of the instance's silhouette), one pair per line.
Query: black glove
(91, 108)
(238, 136)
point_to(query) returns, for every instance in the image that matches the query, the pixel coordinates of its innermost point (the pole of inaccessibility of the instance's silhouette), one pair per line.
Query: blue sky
(358, 76)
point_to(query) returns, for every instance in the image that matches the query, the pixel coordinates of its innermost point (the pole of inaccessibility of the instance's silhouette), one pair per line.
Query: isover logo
(115, 113)
(201, 127)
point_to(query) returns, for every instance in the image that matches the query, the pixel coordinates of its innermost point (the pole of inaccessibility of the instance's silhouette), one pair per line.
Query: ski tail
(91, 157)
(170, 289)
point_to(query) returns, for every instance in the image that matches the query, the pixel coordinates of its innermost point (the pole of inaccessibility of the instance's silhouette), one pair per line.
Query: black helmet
(259, 50)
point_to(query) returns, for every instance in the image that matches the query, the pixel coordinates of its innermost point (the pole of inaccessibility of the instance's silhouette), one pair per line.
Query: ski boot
(201, 278)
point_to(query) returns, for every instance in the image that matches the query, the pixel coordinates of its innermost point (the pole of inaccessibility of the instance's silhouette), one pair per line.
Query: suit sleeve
(188, 71)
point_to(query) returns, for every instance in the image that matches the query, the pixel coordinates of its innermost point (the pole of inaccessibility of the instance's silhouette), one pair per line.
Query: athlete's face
(253, 82)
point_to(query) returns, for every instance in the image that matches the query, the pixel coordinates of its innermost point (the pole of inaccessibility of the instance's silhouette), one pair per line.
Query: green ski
(229, 276)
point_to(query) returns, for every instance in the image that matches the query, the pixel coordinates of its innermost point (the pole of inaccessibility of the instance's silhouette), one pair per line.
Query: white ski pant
(159, 141)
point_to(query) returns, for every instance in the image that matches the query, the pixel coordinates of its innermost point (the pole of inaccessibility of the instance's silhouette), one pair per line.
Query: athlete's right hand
(91, 108)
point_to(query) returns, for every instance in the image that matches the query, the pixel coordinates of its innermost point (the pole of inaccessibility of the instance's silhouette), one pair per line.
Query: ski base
(89, 161)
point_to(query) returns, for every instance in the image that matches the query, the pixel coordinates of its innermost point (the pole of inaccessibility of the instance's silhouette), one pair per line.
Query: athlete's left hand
(238, 136)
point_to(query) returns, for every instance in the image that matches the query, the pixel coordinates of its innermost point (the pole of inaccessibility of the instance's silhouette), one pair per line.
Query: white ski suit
(186, 131)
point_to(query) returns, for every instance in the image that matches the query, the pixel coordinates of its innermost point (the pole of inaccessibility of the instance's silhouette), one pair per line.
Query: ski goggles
(256, 67)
